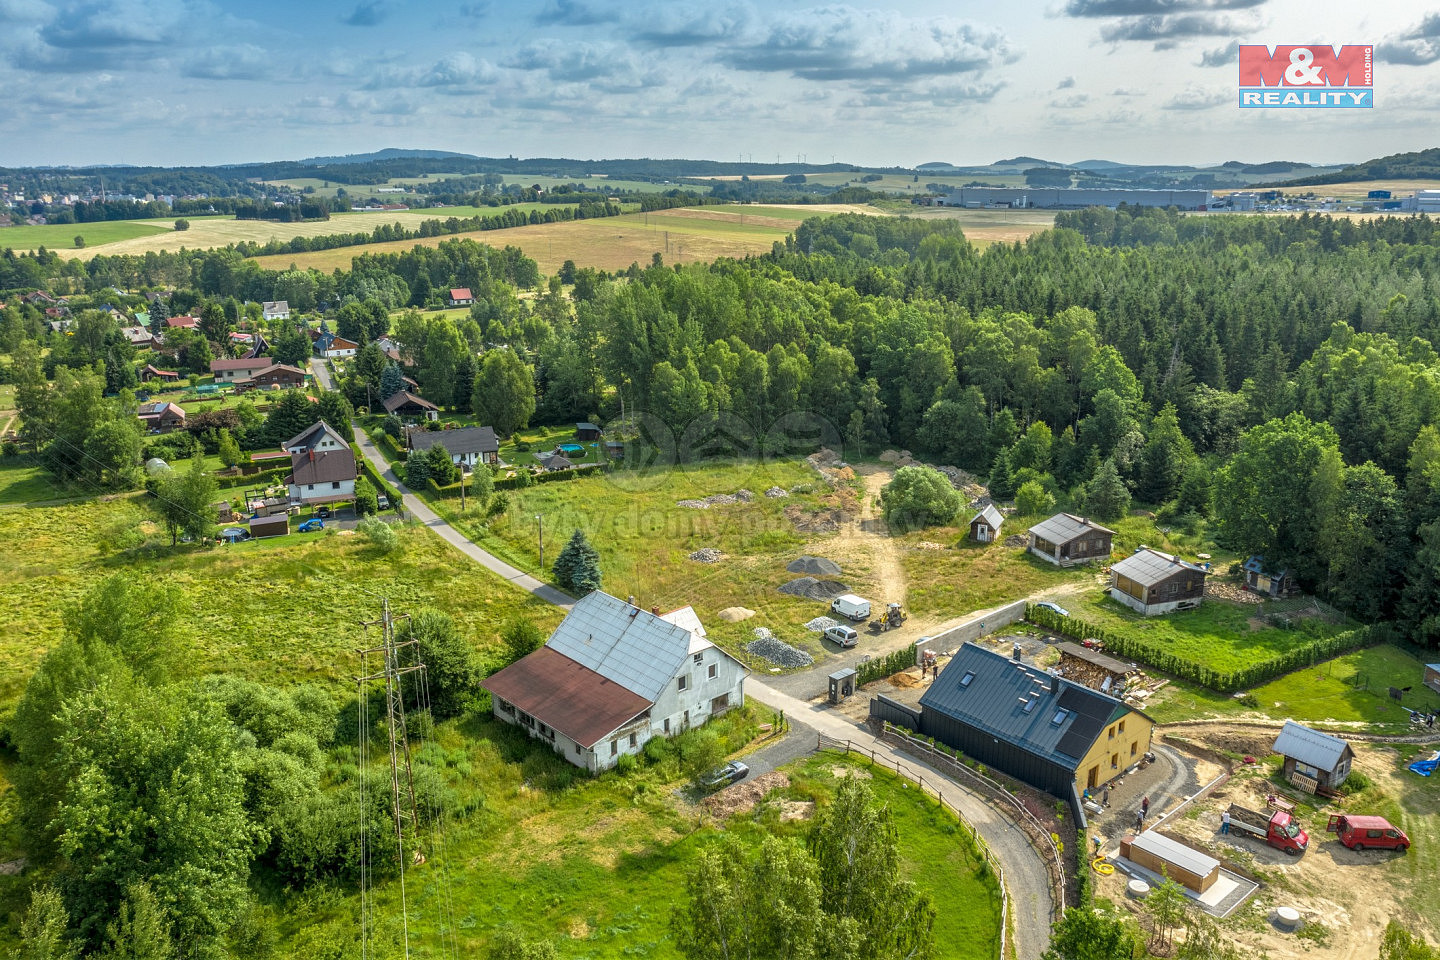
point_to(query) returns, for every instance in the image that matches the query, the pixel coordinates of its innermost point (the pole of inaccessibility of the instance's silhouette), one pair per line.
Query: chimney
(655, 610)
(1054, 683)
(1015, 653)
(630, 599)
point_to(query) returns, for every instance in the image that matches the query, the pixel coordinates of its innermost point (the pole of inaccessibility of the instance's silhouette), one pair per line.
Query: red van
(1367, 832)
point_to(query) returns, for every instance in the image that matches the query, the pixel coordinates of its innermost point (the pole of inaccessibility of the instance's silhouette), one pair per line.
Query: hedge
(893, 663)
(381, 487)
(1304, 655)
(559, 476)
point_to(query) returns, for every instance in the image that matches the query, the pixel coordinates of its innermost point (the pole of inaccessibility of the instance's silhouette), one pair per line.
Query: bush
(366, 502)
(452, 675)
(393, 427)
(1033, 499)
(1357, 782)
(920, 497)
(379, 534)
(182, 224)
(521, 638)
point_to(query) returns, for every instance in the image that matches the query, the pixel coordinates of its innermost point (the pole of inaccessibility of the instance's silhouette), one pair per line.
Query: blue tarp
(1425, 767)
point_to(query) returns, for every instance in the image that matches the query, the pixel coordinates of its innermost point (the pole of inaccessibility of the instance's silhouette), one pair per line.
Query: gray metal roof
(991, 516)
(311, 435)
(994, 701)
(1173, 851)
(462, 442)
(1310, 746)
(1064, 527)
(1148, 567)
(637, 649)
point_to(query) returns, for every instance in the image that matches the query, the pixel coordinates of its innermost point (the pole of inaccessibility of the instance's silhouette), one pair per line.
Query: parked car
(310, 526)
(383, 502)
(851, 607)
(1358, 832)
(323, 513)
(843, 635)
(732, 772)
(1053, 608)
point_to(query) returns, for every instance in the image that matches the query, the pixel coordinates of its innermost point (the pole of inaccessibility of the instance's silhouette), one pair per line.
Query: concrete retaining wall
(979, 627)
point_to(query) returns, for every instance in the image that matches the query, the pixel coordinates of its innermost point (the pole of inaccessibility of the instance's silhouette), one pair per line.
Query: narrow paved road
(1026, 877)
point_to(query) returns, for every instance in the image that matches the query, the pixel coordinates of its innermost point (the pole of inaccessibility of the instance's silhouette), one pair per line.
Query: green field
(1351, 689)
(55, 236)
(275, 610)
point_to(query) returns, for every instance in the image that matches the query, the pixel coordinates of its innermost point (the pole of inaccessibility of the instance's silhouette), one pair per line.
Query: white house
(612, 676)
(322, 466)
(340, 347)
(276, 309)
(467, 446)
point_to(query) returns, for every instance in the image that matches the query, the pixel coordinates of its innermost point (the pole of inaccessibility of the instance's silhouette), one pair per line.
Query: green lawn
(1223, 636)
(59, 235)
(25, 483)
(1350, 689)
(276, 610)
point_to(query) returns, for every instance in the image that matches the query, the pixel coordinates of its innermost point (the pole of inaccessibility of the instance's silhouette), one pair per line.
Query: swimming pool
(572, 450)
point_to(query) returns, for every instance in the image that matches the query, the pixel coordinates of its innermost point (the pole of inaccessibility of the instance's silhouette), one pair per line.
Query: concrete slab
(1224, 895)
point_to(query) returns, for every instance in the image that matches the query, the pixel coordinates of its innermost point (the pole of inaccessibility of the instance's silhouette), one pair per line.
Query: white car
(1053, 608)
(843, 635)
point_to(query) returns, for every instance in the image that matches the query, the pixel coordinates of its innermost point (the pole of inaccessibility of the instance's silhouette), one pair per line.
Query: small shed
(1269, 583)
(587, 432)
(1315, 756)
(842, 685)
(275, 525)
(1432, 676)
(985, 525)
(1160, 854)
(615, 449)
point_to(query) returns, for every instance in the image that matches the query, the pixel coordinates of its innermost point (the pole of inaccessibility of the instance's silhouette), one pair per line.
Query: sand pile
(735, 614)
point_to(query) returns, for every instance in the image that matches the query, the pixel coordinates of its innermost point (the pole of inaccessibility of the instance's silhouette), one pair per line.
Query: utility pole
(540, 528)
(462, 487)
(404, 810)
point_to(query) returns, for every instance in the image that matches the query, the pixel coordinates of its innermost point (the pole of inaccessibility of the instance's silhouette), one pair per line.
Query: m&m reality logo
(1314, 76)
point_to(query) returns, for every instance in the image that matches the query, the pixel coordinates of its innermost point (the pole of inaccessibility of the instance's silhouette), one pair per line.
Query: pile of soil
(1015, 540)
(814, 565)
(742, 797)
(812, 589)
(735, 614)
(820, 521)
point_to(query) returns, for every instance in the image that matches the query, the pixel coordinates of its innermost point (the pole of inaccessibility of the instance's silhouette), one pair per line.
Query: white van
(851, 606)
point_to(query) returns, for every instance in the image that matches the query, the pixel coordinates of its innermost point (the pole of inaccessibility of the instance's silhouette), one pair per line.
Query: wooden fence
(998, 797)
(929, 789)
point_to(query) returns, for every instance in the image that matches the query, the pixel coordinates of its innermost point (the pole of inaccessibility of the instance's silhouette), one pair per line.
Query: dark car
(310, 526)
(323, 513)
(732, 772)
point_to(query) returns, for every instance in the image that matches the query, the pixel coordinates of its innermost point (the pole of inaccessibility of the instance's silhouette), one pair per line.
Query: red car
(1367, 833)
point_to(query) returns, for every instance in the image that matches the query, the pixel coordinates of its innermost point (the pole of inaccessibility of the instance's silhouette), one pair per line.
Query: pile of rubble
(775, 493)
(814, 565)
(821, 624)
(929, 545)
(1016, 540)
(1233, 592)
(707, 555)
(819, 521)
(829, 465)
(717, 500)
(811, 589)
(777, 652)
(742, 797)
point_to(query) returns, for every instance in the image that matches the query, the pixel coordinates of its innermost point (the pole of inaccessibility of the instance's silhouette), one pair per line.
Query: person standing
(1144, 807)
(1225, 821)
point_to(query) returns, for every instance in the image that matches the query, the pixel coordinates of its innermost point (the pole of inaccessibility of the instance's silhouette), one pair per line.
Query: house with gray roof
(467, 445)
(1066, 540)
(1036, 726)
(1151, 582)
(1317, 756)
(985, 525)
(612, 676)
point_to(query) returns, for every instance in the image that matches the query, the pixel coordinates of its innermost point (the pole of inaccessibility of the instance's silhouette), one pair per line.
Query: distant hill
(936, 165)
(1026, 162)
(1098, 165)
(389, 153)
(1423, 165)
(1274, 166)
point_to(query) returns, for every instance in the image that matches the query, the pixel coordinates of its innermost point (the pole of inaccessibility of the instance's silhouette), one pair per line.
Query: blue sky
(898, 82)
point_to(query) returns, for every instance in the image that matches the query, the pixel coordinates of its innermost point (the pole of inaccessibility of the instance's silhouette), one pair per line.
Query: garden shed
(275, 525)
(1170, 858)
(985, 525)
(1318, 758)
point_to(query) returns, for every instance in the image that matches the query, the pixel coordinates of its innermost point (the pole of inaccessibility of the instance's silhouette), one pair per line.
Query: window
(614, 747)
(1030, 704)
(1060, 717)
(504, 707)
(1121, 726)
(699, 658)
(667, 725)
(1114, 761)
(632, 739)
(969, 676)
(335, 485)
(714, 671)
(577, 749)
(684, 682)
(1112, 733)
(310, 486)
(1133, 747)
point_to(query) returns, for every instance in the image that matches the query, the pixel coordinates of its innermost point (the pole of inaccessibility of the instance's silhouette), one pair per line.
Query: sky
(871, 82)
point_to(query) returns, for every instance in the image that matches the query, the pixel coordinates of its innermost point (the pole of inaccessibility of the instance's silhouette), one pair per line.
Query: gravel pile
(744, 496)
(821, 624)
(707, 555)
(812, 589)
(717, 500)
(782, 654)
(814, 565)
(775, 493)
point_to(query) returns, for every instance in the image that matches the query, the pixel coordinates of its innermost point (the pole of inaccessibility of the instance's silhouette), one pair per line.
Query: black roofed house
(1318, 758)
(586, 432)
(1151, 582)
(553, 461)
(985, 525)
(406, 404)
(1066, 540)
(468, 445)
(1275, 584)
(1050, 732)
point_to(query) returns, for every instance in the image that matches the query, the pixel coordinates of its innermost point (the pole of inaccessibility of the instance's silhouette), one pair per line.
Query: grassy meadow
(61, 236)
